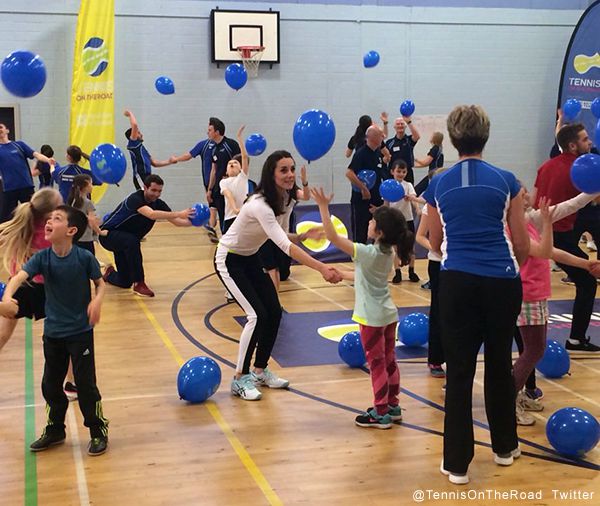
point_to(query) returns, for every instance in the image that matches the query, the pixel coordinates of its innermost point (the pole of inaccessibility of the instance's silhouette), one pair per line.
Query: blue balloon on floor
(391, 190)
(571, 109)
(236, 76)
(556, 362)
(414, 329)
(585, 173)
(368, 177)
(407, 108)
(108, 163)
(164, 85)
(573, 432)
(351, 350)
(314, 134)
(198, 379)
(23, 73)
(256, 144)
(371, 59)
(202, 215)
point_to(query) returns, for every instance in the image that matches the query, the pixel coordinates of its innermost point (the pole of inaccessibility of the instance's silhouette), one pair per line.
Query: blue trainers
(536, 394)
(371, 419)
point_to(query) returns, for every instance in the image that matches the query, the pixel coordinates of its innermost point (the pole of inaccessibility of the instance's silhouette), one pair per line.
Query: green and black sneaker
(97, 446)
(46, 441)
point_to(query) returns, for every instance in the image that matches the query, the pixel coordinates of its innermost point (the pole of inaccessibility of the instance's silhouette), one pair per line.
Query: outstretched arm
(135, 129)
(322, 200)
(244, 153)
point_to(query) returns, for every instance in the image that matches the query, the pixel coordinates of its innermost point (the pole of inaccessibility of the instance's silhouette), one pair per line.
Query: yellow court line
(235, 443)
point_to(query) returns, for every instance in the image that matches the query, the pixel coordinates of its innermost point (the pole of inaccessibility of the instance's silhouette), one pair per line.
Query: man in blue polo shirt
(402, 144)
(128, 224)
(15, 172)
(141, 161)
(367, 157)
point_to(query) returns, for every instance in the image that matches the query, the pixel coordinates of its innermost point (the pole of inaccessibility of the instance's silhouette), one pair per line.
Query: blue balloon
(597, 133)
(573, 432)
(314, 134)
(108, 163)
(556, 362)
(256, 144)
(164, 85)
(367, 177)
(202, 215)
(595, 107)
(351, 350)
(198, 379)
(414, 329)
(407, 108)
(571, 109)
(2, 288)
(371, 59)
(23, 73)
(585, 173)
(236, 76)
(391, 190)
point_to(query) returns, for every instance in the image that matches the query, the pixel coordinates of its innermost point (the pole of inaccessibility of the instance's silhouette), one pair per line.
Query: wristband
(409, 122)
(385, 122)
(305, 184)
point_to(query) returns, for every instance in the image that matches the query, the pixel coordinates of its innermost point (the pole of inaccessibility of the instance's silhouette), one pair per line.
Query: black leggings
(435, 354)
(254, 291)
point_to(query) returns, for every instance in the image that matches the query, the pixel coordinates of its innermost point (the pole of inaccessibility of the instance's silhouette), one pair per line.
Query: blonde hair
(16, 235)
(437, 138)
(469, 129)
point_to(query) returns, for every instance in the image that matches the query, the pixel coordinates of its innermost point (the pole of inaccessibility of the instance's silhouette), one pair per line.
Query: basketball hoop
(251, 56)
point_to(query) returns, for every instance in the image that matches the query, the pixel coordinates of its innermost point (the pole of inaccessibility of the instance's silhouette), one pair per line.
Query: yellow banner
(92, 102)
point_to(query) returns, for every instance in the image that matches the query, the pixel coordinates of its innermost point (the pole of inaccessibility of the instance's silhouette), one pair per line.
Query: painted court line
(84, 495)
(235, 443)
(104, 400)
(328, 299)
(580, 364)
(572, 392)
(31, 490)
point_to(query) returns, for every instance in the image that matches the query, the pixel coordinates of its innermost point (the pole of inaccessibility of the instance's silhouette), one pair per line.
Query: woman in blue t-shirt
(63, 176)
(479, 289)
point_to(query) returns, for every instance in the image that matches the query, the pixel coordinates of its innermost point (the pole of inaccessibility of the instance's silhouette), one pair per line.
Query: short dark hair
(47, 150)
(400, 164)
(217, 124)
(128, 133)
(75, 218)
(153, 178)
(568, 134)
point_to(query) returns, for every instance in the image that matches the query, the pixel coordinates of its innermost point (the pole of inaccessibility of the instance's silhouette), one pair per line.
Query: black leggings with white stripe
(253, 290)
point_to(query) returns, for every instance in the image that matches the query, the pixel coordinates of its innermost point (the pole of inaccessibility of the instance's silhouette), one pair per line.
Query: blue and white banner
(580, 76)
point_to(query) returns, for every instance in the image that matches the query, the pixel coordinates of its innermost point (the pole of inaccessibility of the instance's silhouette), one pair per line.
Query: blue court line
(177, 321)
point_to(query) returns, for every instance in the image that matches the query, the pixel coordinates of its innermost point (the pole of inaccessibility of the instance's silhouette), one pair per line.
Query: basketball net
(251, 56)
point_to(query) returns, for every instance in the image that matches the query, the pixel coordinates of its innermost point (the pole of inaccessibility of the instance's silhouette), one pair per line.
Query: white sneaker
(522, 417)
(507, 459)
(457, 479)
(528, 403)
(591, 246)
(245, 388)
(269, 379)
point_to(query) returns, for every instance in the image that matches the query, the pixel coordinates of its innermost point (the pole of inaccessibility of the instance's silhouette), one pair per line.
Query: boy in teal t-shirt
(71, 313)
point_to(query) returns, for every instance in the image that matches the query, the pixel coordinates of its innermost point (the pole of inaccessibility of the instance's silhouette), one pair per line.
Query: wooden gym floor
(292, 447)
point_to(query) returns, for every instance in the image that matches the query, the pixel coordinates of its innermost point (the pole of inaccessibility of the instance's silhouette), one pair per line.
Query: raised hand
(241, 131)
(319, 196)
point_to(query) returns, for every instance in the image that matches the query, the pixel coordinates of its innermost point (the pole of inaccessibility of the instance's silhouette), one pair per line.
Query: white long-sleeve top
(253, 226)
(563, 209)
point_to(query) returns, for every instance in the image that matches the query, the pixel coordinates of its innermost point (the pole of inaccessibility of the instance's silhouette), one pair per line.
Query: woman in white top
(234, 185)
(240, 269)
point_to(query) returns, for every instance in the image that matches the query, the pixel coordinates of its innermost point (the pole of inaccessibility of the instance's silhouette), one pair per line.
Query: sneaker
(591, 246)
(528, 403)
(212, 234)
(46, 441)
(245, 388)
(567, 281)
(413, 277)
(457, 479)
(436, 371)
(555, 268)
(109, 270)
(581, 345)
(444, 388)
(534, 393)
(397, 279)
(70, 391)
(372, 420)
(141, 288)
(97, 446)
(426, 285)
(506, 459)
(269, 379)
(394, 412)
(522, 418)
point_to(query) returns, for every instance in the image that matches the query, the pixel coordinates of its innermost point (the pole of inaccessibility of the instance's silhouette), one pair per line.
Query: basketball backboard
(231, 29)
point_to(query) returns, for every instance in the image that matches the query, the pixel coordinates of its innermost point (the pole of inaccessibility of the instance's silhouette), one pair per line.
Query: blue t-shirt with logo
(14, 168)
(204, 149)
(63, 176)
(472, 199)
(67, 287)
(141, 161)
